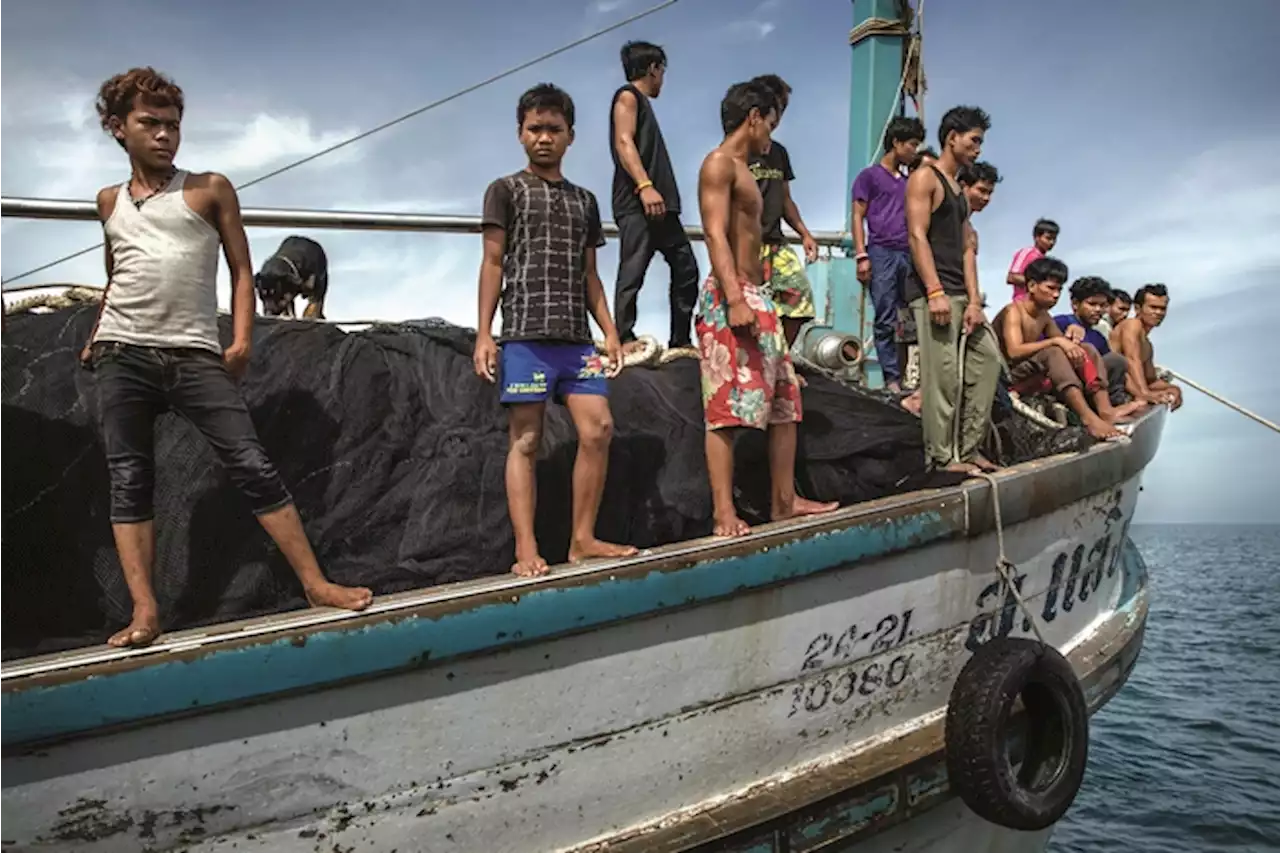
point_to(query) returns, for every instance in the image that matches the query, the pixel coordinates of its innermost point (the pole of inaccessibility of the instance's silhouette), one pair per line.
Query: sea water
(1186, 758)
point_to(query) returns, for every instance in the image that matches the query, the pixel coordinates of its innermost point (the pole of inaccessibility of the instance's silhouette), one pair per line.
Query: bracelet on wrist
(643, 185)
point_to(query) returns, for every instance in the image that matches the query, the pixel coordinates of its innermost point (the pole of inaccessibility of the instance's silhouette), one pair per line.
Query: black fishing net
(1015, 439)
(394, 451)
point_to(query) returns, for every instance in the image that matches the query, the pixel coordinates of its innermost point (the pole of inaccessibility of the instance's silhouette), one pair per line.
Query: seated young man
(1117, 312)
(1131, 338)
(1040, 356)
(541, 233)
(1090, 298)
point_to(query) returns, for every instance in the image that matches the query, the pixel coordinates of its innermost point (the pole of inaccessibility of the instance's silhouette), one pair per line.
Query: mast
(878, 44)
(878, 40)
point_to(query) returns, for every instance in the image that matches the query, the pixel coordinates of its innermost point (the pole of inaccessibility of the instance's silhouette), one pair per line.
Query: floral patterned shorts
(786, 282)
(747, 381)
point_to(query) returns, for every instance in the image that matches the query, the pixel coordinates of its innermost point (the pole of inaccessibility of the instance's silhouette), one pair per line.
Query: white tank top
(163, 289)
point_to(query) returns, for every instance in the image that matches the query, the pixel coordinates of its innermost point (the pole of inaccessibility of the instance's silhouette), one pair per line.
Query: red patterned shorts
(747, 380)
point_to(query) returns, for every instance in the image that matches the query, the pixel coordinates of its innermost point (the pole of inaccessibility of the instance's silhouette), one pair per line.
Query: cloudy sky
(1147, 129)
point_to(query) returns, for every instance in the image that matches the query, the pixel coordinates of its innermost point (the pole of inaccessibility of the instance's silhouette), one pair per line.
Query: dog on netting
(298, 268)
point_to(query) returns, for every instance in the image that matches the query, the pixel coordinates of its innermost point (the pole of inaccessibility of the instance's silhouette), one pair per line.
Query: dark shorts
(537, 371)
(136, 385)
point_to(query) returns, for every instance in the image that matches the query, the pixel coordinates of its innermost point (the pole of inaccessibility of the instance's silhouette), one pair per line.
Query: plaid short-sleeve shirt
(549, 227)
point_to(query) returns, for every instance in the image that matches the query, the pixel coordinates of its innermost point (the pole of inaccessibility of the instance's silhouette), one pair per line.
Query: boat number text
(824, 649)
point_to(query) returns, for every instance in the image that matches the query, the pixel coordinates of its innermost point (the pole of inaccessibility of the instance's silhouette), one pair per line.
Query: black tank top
(653, 154)
(946, 238)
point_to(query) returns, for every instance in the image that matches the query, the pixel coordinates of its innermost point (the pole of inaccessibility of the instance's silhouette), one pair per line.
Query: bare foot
(803, 506)
(142, 631)
(912, 403)
(1101, 430)
(595, 548)
(984, 463)
(343, 597)
(731, 526)
(1128, 410)
(530, 567)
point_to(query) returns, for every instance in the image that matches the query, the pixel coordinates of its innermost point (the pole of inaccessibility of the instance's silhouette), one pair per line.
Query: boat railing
(344, 220)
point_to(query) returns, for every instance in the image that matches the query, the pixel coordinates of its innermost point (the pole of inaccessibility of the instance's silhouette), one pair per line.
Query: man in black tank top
(942, 290)
(646, 201)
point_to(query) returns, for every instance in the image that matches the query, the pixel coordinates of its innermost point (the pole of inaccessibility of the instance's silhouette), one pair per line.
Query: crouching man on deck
(747, 376)
(155, 343)
(1132, 339)
(540, 238)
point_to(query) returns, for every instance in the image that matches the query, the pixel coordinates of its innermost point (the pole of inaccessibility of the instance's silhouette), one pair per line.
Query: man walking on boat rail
(541, 233)
(646, 200)
(155, 343)
(942, 290)
(747, 376)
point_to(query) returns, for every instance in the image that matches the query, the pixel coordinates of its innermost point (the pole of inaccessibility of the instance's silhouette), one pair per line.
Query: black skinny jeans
(640, 238)
(136, 385)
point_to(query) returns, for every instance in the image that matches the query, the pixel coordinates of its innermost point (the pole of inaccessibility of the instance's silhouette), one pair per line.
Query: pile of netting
(394, 451)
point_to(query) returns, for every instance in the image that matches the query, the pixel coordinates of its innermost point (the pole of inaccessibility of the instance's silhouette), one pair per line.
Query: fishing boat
(909, 673)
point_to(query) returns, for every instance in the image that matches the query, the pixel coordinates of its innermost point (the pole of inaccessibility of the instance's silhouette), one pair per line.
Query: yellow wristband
(643, 185)
(935, 292)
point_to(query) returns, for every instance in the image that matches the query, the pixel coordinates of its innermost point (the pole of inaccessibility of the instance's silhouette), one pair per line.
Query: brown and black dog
(298, 268)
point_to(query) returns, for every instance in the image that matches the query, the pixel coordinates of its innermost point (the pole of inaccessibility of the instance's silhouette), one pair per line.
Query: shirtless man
(1131, 339)
(747, 376)
(155, 344)
(1040, 354)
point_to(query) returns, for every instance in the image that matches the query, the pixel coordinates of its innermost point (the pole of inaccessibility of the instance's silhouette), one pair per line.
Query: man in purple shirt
(883, 254)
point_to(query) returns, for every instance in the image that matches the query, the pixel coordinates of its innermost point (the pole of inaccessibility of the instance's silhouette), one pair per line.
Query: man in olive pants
(942, 290)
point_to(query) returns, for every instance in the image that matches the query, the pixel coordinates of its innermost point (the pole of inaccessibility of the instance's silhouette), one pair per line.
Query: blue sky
(1148, 130)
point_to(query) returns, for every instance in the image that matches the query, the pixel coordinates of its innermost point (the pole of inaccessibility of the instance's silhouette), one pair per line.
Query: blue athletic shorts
(537, 371)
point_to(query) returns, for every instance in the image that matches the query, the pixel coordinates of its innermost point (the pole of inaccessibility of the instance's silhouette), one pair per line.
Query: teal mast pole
(874, 93)
(842, 302)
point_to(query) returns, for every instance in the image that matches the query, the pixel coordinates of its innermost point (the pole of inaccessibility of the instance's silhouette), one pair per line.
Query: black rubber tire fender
(980, 725)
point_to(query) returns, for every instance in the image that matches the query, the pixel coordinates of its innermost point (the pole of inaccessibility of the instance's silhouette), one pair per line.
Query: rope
(906, 64)
(920, 86)
(1004, 565)
(1271, 425)
(55, 301)
(872, 27)
(405, 117)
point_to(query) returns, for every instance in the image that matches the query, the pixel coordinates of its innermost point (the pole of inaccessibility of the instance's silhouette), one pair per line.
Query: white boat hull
(744, 714)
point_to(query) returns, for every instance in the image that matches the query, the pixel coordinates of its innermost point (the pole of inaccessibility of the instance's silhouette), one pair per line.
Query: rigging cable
(406, 116)
(882, 26)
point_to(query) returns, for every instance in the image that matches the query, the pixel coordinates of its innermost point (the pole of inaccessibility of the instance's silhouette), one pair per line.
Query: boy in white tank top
(155, 346)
